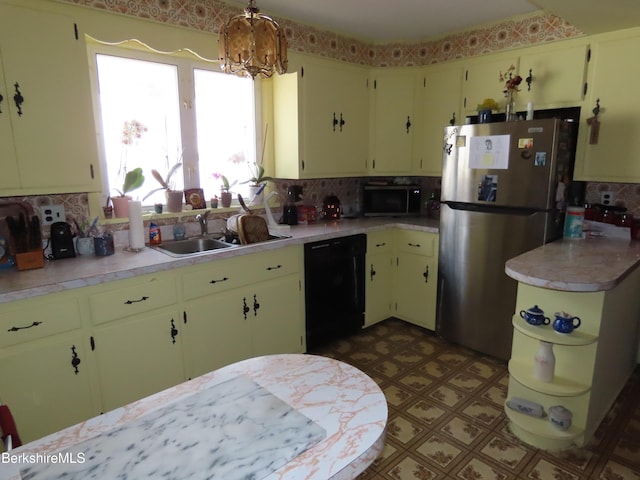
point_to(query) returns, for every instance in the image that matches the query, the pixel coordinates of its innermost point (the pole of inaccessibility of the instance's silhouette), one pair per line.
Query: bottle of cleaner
(154, 234)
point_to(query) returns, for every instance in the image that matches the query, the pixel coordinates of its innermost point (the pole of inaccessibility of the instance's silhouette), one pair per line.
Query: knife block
(29, 260)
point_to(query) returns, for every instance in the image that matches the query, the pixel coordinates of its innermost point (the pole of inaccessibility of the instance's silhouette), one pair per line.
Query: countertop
(577, 265)
(332, 395)
(82, 271)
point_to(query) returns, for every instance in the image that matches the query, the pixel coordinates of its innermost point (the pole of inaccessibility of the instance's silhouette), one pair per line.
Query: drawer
(221, 275)
(379, 241)
(214, 277)
(27, 320)
(419, 243)
(127, 298)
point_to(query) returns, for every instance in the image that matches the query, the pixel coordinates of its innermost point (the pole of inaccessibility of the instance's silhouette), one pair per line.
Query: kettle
(62, 240)
(331, 207)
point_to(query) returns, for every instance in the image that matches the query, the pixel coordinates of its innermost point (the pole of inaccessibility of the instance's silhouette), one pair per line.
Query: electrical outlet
(51, 213)
(606, 198)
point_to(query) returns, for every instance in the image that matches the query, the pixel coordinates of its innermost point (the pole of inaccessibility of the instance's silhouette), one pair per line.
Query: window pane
(225, 128)
(140, 121)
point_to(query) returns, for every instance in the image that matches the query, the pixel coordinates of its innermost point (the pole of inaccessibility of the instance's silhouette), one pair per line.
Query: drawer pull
(274, 268)
(417, 245)
(75, 360)
(174, 332)
(381, 244)
(129, 302)
(15, 329)
(224, 279)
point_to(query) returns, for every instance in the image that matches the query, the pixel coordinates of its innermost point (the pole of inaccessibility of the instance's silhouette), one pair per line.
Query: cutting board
(252, 229)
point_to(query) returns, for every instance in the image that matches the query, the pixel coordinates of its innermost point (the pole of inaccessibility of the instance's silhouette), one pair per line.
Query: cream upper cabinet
(47, 131)
(558, 75)
(482, 80)
(393, 122)
(612, 154)
(440, 104)
(321, 120)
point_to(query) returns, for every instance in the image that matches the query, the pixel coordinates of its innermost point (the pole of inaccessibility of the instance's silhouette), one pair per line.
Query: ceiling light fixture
(253, 44)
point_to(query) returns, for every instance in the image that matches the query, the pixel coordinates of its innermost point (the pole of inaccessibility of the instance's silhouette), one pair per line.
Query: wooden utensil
(252, 229)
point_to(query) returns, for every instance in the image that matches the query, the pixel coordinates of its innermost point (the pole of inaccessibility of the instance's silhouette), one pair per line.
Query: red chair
(10, 436)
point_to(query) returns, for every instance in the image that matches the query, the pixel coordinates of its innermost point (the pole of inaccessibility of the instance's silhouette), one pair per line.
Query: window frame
(185, 62)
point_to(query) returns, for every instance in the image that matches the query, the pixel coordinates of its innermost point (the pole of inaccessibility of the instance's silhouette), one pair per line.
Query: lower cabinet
(45, 374)
(402, 270)
(415, 278)
(138, 356)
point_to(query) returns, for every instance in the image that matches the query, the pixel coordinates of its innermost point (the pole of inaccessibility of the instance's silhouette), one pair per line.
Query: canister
(573, 222)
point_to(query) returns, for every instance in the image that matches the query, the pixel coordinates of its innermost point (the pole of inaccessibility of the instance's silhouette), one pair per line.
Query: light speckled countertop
(581, 265)
(333, 396)
(61, 275)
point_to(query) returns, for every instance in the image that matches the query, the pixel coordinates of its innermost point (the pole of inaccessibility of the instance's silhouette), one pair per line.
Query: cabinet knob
(335, 121)
(426, 275)
(372, 272)
(245, 308)
(256, 306)
(1, 98)
(18, 99)
(408, 124)
(174, 331)
(342, 122)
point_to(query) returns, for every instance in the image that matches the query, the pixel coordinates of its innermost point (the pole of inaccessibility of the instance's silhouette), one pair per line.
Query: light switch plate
(51, 213)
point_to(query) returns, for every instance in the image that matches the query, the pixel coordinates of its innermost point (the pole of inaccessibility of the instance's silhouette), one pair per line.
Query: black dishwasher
(334, 288)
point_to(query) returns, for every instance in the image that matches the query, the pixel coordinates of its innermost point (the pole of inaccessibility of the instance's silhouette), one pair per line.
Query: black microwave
(391, 200)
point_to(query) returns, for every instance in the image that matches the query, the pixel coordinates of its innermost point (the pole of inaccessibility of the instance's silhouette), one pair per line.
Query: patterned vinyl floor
(446, 418)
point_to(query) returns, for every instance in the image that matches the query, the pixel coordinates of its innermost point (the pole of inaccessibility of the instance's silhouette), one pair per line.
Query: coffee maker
(62, 241)
(290, 209)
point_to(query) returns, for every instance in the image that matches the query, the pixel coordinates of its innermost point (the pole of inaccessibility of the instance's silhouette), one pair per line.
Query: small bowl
(560, 417)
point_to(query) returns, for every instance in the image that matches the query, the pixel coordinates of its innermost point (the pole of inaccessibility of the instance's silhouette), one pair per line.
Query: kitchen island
(333, 396)
(597, 280)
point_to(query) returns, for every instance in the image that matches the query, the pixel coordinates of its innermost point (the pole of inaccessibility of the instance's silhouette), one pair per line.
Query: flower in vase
(511, 82)
(225, 182)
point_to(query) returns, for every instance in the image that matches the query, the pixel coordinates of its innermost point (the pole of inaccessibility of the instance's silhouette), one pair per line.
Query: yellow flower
(488, 104)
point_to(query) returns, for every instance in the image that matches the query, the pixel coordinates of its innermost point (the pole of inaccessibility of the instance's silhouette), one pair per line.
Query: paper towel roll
(136, 228)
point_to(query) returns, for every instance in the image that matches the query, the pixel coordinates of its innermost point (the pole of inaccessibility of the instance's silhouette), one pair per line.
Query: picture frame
(195, 198)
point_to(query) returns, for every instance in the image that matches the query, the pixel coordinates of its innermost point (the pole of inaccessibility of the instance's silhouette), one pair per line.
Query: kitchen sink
(191, 246)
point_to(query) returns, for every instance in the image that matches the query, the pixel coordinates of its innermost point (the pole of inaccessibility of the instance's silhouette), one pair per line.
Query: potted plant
(225, 189)
(257, 180)
(132, 181)
(485, 110)
(174, 197)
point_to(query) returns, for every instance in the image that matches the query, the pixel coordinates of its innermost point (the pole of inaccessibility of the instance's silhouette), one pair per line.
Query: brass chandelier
(252, 44)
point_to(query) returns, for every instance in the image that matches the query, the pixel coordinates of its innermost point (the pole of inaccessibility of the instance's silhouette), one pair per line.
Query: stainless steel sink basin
(191, 246)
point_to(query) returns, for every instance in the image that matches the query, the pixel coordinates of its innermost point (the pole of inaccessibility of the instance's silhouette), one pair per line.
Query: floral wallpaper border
(209, 15)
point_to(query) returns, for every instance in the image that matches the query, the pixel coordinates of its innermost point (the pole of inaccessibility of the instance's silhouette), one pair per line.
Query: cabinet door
(277, 316)
(558, 77)
(482, 80)
(440, 105)
(394, 96)
(10, 177)
(217, 331)
(613, 157)
(378, 288)
(415, 284)
(53, 130)
(138, 356)
(41, 386)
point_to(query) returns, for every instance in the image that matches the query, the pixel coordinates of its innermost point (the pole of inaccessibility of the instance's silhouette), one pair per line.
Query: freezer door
(503, 164)
(477, 299)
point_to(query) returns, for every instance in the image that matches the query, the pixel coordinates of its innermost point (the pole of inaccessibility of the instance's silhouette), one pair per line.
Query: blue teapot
(535, 316)
(565, 323)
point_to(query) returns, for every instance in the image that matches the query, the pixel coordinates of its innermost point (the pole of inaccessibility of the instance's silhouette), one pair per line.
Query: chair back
(10, 437)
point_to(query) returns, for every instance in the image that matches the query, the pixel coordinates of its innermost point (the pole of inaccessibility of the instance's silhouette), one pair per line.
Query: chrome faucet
(202, 220)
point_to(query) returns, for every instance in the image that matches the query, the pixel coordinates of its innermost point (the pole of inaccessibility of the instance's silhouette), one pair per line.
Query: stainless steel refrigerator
(503, 193)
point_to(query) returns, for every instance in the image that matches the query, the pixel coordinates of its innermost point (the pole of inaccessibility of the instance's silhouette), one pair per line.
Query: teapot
(535, 316)
(565, 323)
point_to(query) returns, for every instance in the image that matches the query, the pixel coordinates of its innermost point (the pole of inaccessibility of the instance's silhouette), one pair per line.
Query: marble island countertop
(329, 423)
(61, 275)
(581, 265)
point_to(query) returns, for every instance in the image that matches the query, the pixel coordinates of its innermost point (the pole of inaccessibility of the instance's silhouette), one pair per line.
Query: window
(158, 110)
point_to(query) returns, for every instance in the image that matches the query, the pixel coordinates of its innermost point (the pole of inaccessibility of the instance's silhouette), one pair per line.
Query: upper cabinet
(558, 75)
(482, 80)
(393, 120)
(609, 148)
(47, 131)
(439, 106)
(321, 117)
